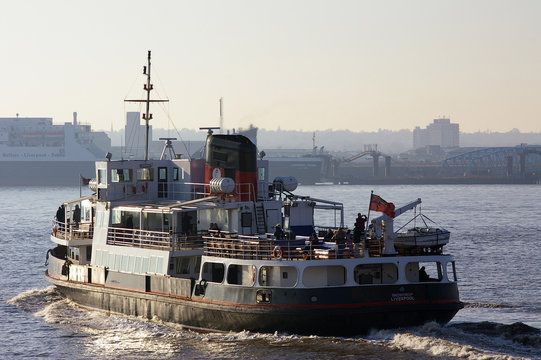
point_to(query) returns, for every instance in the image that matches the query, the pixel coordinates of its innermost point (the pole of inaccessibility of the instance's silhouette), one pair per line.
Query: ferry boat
(193, 241)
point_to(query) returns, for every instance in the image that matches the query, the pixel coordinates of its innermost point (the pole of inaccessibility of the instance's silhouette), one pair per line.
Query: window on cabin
(125, 219)
(183, 265)
(102, 176)
(424, 271)
(278, 276)
(121, 175)
(162, 174)
(145, 174)
(175, 174)
(317, 276)
(87, 211)
(156, 221)
(451, 271)
(197, 265)
(375, 274)
(241, 274)
(213, 272)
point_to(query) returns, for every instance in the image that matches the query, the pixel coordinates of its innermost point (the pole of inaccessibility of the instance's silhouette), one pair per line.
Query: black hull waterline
(338, 318)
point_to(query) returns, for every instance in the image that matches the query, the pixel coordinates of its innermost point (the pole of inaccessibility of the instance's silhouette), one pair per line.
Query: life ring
(278, 253)
(54, 230)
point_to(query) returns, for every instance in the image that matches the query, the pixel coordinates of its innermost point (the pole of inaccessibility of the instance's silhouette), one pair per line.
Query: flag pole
(80, 191)
(368, 214)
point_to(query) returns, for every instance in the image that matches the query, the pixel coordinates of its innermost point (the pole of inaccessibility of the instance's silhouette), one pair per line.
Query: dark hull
(344, 311)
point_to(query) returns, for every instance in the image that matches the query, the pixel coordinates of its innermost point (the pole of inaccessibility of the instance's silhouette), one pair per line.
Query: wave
(518, 332)
(116, 336)
(477, 304)
(33, 299)
(481, 340)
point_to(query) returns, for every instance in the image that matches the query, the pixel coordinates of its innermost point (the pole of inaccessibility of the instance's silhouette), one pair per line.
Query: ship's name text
(402, 297)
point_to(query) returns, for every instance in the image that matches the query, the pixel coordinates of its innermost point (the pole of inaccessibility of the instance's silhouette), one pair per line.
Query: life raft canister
(278, 253)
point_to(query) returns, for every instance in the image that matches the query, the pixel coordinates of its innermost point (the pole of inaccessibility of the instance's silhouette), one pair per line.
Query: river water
(495, 229)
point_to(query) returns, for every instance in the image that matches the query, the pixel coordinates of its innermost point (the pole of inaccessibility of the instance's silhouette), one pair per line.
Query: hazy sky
(310, 65)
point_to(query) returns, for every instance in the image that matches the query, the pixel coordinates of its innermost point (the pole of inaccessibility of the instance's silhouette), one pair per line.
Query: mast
(147, 87)
(147, 116)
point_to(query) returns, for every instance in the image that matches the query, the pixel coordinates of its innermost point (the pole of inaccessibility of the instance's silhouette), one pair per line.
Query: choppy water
(496, 232)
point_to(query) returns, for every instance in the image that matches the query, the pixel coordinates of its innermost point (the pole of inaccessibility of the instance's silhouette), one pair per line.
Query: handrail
(256, 248)
(72, 231)
(152, 239)
(177, 190)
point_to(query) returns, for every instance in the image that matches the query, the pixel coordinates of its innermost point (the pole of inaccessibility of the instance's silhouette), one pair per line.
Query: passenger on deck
(278, 232)
(358, 232)
(328, 236)
(60, 214)
(423, 276)
(214, 226)
(289, 235)
(76, 216)
(360, 222)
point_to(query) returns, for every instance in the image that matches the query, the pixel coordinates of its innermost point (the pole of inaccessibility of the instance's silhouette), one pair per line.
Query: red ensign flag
(378, 204)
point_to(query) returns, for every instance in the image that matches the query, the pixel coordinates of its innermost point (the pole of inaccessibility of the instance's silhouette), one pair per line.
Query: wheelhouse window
(375, 274)
(175, 174)
(278, 276)
(121, 175)
(213, 272)
(241, 274)
(424, 271)
(145, 174)
(102, 176)
(316, 276)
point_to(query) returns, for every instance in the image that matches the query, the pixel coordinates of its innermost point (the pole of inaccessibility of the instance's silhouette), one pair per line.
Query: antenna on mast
(147, 116)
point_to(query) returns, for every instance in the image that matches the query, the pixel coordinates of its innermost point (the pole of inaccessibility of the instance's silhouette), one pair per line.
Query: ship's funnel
(234, 157)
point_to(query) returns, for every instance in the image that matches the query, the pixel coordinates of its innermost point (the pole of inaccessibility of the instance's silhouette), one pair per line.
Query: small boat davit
(214, 244)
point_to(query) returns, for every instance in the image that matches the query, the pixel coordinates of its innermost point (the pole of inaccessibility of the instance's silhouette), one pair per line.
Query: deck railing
(72, 231)
(256, 248)
(174, 191)
(161, 240)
